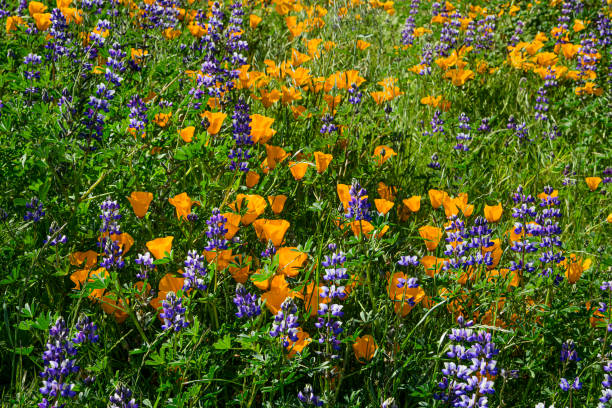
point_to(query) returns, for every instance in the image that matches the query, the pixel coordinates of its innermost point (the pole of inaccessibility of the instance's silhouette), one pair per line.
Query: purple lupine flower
(34, 210)
(464, 133)
(308, 397)
(359, 207)
(122, 398)
(247, 303)
(328, 124)
(269, 251)
(241, 124)
(59, 361)
(138, 114)
(113, 253)
(55, 237)
(329, 322)
(285, 324)
(437, 123)
(567, 386)
(195, 271)
(606, 385)
(216, 231)
(173, 313)
(32, 60)
(410, 24)
(549, 231)
(465, 381)
(86, 331)
(110, 215)
(524, 211)
(541, 106)
(408, 260)
(569, 352)
(146, 265)
(355, 95)
(463, 252)
(484, 125)
(434, 163)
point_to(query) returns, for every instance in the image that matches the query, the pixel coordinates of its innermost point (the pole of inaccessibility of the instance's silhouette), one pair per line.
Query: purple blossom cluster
(146, 265)
(34, 210)
(59, 361)
(122, 398)
(113, 253)
(173, 313)
(464, 133)
(285, 324)
(328, 322)
(358, 206)
(241, 127)
(466, 380)
(195, 271)
(410, 24)
(216, 231)
(247, 303)
(464, 247)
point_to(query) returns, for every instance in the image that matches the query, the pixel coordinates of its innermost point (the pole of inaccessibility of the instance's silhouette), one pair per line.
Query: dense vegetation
(287, 203)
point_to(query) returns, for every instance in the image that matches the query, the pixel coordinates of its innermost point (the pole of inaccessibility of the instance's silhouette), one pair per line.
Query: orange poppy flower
(240, 271)
(506, 274)
(431, 235)
(387, 192)
(89, 257)
(574, 267)
(409, 206)
(362, 45)
(383, 206)
(12, 22)
(593, 182)
(432, 264)
(269, 98)
(344, 194)
(254, 20)
(365, 227)
(159, 246)
(459, 76)
(183, 204)
(35, 7)
(276, 155)
(402, 297)
(364, 348)
(168, 283)
(140, 201)
(312, 298)
(162, 119)
(252, 178)
(496, 252)
(450, 208)
(84, 275)
(298, 170)
(113, 306)
(277, 294)
(493, 213)
(277, 203)
(383, 153)
(232, 225)
(43, 21)
(322, 161)
(289, 95)
(221, 258)
(290, 261)
(261, 130)
(255, 206)
(437, 197)
(271, 230)
(298, 346)
(215, 120)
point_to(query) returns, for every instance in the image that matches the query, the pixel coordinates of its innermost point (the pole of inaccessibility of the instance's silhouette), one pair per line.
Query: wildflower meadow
(293, 203)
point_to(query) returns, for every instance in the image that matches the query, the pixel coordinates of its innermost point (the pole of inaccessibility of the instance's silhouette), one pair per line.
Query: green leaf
(223, 344)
